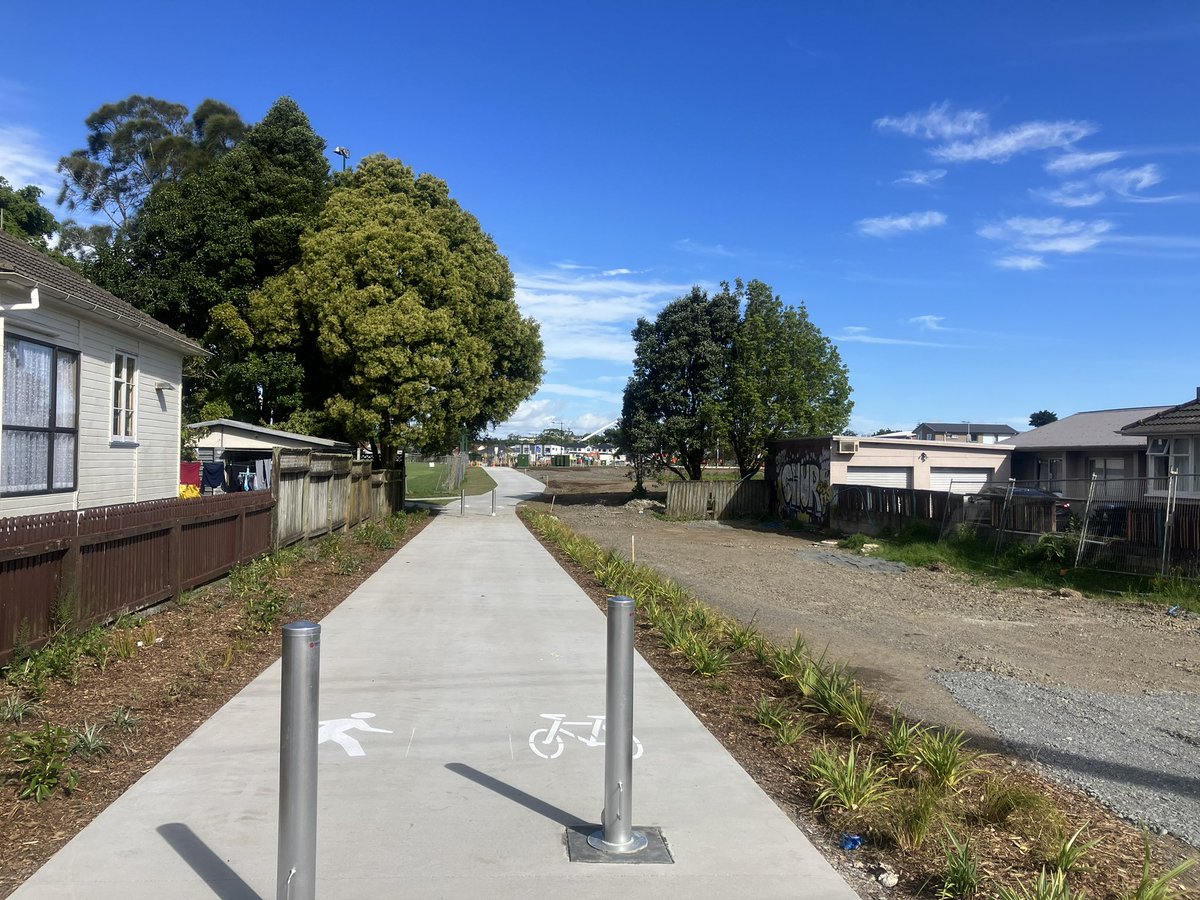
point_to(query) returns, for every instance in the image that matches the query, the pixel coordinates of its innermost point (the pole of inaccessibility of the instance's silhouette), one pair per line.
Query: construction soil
(898, 627)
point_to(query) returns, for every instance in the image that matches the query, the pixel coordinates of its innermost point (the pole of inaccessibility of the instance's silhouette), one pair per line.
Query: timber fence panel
(102, 562)
(716, 499)
(871, 509)
(291, 488)
(32, 549)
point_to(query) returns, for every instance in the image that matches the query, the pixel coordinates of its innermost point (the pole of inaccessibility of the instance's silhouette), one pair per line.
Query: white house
(90, 391)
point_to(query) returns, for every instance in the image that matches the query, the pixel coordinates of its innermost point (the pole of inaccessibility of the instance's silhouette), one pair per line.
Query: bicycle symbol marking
(548, 743)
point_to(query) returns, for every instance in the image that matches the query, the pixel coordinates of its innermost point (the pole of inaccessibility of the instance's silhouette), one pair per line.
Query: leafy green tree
(138, 142)
(1042, 417)
(23, 214)
(785, 377)
(675, 399)
(409, 307)
(201, 245)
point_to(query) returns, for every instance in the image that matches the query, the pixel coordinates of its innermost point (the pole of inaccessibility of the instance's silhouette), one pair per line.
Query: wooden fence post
(305, 518)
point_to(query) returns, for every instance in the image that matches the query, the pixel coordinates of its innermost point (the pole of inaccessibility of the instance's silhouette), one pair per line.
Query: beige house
(801, 473)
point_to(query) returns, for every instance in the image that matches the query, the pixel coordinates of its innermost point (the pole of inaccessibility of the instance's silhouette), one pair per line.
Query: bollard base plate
(653, 848)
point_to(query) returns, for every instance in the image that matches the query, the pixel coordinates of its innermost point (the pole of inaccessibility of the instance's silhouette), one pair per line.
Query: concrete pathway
(441, 667)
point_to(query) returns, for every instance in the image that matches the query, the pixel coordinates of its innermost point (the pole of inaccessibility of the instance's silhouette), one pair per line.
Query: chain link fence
(435, 477)
(1148, 526)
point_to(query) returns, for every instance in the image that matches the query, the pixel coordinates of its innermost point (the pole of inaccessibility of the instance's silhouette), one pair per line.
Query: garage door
(965, 481)
(881, 476)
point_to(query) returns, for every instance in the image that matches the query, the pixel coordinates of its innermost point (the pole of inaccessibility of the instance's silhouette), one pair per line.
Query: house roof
(1181, 419)
(67, 284)
(1085, 430)
(964, 427)
(263, 431)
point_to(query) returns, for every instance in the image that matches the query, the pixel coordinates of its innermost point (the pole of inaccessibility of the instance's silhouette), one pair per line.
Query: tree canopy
(737, 367)
(408, 307)
(24, 216)
(200, 245)
(1042, 417)
(675, 399)
(785, 377)
(138, 142)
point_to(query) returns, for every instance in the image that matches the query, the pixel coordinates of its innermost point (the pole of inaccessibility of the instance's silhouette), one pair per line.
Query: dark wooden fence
(100, 563)
(869, 509)
(717, 499)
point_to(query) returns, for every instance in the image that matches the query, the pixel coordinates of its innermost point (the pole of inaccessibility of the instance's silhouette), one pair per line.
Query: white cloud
(937, 122)
(1072, 194)
(921, 177)
(589, 422)
(611, 272)
(23, 161)
(687, 245)
(887, 226)
(1079, 161)
(1003, 145)
(1022, 263)
(856, 334)
(590, 316)
(570, 390)
(1129, 183)
(571, 267)
(531, 416)
(929, 323)
(1050, 235)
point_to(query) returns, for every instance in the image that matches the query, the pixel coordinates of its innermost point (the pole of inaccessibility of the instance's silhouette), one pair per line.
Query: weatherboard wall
(108, 472)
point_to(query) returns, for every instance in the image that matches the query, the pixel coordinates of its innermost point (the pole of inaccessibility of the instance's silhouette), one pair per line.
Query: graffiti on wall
(802, 481)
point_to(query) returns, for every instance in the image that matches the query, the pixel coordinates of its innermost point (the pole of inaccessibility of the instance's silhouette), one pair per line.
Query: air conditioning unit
(847, 445)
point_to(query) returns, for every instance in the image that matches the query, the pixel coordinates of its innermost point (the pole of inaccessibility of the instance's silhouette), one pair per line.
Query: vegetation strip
(87, 715)
(912, 803)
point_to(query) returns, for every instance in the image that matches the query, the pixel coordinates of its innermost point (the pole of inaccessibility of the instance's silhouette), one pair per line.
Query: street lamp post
(344, 154)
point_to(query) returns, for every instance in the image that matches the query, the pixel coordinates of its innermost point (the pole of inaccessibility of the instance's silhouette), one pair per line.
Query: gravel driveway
(1105, 695)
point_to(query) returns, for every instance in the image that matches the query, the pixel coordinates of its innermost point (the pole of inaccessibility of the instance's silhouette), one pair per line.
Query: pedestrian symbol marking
(335, 730)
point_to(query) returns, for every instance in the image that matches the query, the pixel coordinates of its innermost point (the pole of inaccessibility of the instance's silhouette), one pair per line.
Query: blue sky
(991, 210)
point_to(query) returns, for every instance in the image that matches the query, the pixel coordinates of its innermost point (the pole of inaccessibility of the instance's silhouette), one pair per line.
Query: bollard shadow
(506, 790)
(225, 883)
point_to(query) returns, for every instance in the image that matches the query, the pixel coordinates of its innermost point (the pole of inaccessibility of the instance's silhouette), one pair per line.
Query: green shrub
(41, 759)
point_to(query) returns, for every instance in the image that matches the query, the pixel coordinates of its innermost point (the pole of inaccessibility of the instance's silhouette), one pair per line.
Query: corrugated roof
(1181, 419)
(964, 427)
(269, 432)
(1086, 430)
(18, 256)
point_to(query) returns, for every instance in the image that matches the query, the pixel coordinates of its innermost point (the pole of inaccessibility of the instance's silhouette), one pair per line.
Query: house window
(1050, 474)
(1180, 454)
(1106, 470)
(124, 396)
(40, 413)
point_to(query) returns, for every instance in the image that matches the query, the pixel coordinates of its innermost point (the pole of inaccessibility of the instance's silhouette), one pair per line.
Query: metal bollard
(462, 501)
(296, 875)
(493, 501)
(617, 834)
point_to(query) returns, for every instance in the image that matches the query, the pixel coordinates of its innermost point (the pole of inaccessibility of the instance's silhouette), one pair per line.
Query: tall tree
(138, 142)
(23, 215)
(201, 245)
(1042, 417)
(785, 377)
(409, 305)
(675, 399)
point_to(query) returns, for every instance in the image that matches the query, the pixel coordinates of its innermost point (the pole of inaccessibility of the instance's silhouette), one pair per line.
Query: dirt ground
(898, 628)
